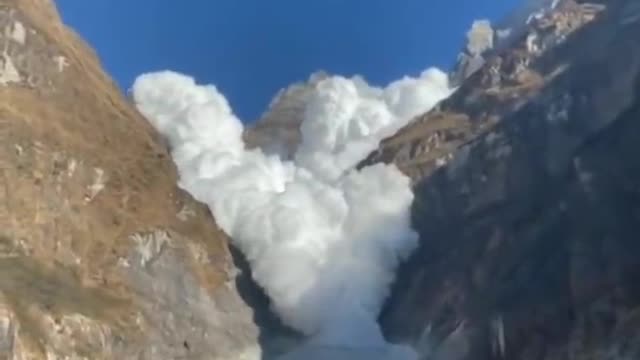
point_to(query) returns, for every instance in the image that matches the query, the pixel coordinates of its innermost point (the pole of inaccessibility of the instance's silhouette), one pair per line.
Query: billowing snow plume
(322, 239)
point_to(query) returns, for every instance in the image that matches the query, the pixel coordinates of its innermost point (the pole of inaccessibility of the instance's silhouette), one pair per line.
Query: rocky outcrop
(527, 201)
(480, 40)
(101, 256)
(278, 129)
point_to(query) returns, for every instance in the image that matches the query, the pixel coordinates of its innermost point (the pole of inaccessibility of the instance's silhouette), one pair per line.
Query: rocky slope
(101, 257)
(527, 198)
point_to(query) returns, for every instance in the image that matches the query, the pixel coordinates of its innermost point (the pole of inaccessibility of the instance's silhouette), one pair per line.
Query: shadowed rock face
(527, 199)
(101, 256)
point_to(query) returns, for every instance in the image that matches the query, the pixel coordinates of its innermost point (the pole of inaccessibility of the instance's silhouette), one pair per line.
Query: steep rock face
(101, 256)
(527, 200)
(278, 129)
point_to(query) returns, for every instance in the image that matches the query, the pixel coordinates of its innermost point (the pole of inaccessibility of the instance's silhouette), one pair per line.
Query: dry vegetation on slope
(101, 255)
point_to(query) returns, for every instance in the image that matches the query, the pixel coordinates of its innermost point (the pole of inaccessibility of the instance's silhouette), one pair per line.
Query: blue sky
(251, 48)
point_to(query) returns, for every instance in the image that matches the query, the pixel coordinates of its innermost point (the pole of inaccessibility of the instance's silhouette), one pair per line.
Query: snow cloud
(322, 239)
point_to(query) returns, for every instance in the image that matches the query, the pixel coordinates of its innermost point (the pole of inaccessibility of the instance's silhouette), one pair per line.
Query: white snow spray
(323, 240)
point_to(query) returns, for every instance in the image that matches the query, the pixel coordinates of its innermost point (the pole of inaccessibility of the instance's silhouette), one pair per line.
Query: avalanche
(322, 239)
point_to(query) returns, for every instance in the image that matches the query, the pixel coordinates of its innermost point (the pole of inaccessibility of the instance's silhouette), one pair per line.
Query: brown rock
(101, 256)
(278, 129)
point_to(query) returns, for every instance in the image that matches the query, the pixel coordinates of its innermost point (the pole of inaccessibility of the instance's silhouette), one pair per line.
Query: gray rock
(533, 219)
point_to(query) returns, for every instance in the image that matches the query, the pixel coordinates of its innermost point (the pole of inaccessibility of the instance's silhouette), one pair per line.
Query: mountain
(277, 131)
(526, 198)
(101, 256)
(526, 203)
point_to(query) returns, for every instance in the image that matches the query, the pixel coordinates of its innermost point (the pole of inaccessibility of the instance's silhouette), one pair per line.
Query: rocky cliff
(278, 129)
(527, 200)
(101, 256)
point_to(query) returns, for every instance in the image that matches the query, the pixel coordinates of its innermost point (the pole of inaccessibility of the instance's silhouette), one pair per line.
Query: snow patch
(18, 33)
(61, 62)
(97, 186)
(8, 72)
